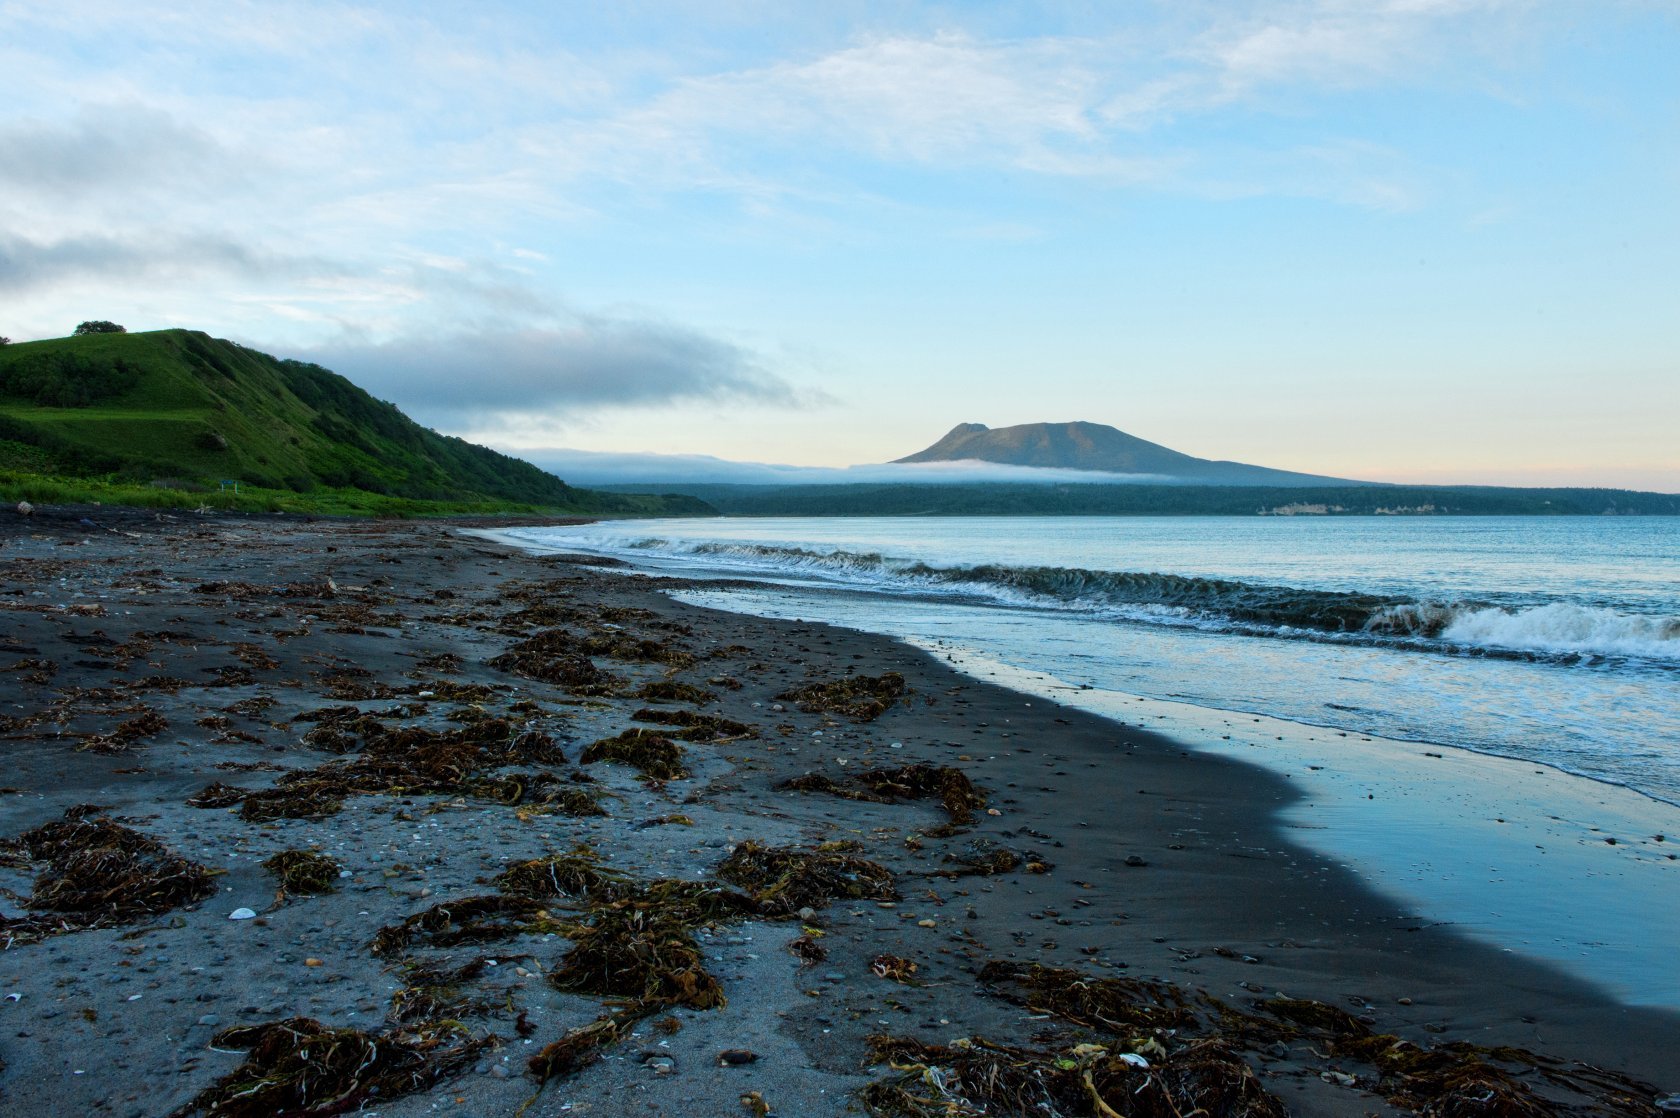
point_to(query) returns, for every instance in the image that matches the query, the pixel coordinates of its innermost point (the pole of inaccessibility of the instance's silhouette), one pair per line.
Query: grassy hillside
(168, 417)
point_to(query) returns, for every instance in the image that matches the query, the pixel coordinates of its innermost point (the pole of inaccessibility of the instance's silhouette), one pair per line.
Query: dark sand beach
(147, 658)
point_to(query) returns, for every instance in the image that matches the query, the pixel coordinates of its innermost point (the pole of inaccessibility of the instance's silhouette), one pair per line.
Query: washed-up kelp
(655, 756)
(410, 760)
(98, 874)
(671, 691)
(1455, 1080)
(432, 992)
(955, 792)
(985, 857)
(304, 872)
(555, 656)
(482, 919)
(1117, 1004)
(147, 723)
(301, 1068)
(644, 953)
(784, 880)
(697, 727)
(975, 1077)
(582, 1046)
(861, 698)
(566, 876)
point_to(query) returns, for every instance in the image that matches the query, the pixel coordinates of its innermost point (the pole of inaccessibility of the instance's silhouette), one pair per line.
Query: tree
(99, 326)
(5, 340)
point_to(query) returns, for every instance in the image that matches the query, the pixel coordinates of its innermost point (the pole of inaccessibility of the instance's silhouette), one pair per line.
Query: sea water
(1347, 653)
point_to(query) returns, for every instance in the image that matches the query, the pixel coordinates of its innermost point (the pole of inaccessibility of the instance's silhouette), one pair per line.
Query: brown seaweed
(861, 698)
(784, 880)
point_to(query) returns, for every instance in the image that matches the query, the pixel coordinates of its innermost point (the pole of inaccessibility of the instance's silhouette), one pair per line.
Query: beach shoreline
(1174, 865)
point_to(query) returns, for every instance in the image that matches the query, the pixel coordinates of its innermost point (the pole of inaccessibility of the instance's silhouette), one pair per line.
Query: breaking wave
(1555, 630)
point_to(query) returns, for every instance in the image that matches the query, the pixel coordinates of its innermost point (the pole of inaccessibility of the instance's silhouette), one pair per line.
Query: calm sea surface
(1547, 639)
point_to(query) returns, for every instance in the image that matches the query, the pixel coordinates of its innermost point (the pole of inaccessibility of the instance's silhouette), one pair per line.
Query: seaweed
(697, 727)
(304, 872)
(1118, 1004)
(99, 874)
(432, 992)
(982, 857)
(580, 1047)
(656, 756)
(975, 1077)
(861, 698)
(645, 953)
(784, 880)
(556, 656)
(480, 919)
(955, 792)
(671, 691)
(300, 1068)
(896, 967)
(562, 875)
(148, 723)
(218, 795)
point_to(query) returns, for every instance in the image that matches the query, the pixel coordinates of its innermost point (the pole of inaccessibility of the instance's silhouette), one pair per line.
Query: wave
(1545, 630)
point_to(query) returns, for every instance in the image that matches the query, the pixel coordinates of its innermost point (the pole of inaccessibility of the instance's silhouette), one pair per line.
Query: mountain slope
(178, 407)
(1096, 446)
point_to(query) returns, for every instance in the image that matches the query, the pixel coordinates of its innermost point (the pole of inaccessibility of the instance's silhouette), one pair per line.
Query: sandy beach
(191, 679)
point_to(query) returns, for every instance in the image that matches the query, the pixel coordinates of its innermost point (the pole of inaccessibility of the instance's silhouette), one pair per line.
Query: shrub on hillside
(99, 326)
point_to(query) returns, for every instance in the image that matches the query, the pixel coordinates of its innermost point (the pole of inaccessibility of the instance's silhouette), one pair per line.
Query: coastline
(1222, 881)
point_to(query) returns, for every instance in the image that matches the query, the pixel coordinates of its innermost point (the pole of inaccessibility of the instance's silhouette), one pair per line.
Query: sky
(1401, 240)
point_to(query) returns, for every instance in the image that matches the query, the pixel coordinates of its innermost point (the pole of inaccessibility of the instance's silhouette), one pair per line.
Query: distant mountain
(1098, 447)
(178, 409)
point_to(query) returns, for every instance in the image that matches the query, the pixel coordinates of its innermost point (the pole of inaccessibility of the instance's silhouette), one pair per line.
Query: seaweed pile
(950, 786)
(410, 760)
(697, 727)
(1152, 1050)
(98, 874)
(304, 872)
(654, 755)
(861, 698)
(302, 1068)
(784, 881)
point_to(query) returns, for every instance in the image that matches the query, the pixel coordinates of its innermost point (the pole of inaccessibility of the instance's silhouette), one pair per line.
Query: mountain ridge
(1097, 447)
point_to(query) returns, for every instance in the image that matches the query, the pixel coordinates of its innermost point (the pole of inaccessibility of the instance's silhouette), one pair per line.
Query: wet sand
(1166, 863)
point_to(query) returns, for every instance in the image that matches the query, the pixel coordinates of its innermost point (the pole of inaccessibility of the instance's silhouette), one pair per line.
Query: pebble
(242, 914)
(499, 1071)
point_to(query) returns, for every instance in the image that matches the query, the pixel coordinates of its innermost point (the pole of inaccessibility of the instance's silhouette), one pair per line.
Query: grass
(108, 417)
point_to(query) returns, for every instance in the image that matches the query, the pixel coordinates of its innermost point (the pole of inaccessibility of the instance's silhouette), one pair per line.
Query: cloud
(592, 362)
(29, 266)
(106, 147)
(583, 467)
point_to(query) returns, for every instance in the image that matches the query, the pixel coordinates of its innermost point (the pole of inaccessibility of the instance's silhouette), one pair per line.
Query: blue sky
(1407, 240)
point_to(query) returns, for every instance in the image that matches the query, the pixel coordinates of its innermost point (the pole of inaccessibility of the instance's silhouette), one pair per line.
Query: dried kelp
(148, 723)
(481, 919)
(981, 857)
(671, 691)
(655, 756)
(98, 874)
(304, 872)
(555, 656)
(697, 727)
(974, 1077)
(301, 1068)
(433, 992)
(784, 880)
(861, 698)
(955, 792)
(566, 876)
(1117, 1004)
(645, 953)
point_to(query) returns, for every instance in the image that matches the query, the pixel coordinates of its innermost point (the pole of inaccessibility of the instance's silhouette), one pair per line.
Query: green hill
(173, 416)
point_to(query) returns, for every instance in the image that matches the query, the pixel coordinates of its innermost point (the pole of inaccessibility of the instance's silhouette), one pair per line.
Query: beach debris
(697, 727)
(672, 691)
(478, 919)
(555, 656)
(409, 760)
(784, 880)
(755, 1104)
(302, 1068)
(895, 967)
(148, 723)
(951, 786)
(736, 1057)
(982, 857)
(98, 874)
(243, 913)
(432, 992)
(304, 872)
(808, 948)
(1117, 1004)
(861, 698)
(655, 756)
(974, 1077)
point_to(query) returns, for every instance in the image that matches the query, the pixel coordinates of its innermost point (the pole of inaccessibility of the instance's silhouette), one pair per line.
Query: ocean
(1324, 648)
